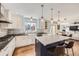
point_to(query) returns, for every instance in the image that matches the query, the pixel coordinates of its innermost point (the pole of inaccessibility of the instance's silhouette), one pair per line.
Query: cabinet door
(16, 20)
(2, 10)
(5, 51)
(11, 47)
(19, 22)
(12, 19)
(1, 53)
(10, 51)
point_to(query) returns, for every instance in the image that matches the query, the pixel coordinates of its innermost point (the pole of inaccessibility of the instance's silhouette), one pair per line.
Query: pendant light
(65, 19)
(42, 17)
(31, 18)
(51, 15)
(58, 16)
(58, 23)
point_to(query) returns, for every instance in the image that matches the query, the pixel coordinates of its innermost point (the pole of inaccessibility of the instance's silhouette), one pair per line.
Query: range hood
(3, 21)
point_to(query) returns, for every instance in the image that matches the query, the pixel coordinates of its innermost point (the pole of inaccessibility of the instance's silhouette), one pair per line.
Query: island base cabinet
(44, 50)
(40, 49)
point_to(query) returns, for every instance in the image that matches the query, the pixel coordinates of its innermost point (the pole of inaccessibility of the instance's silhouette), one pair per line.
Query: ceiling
(67, 10)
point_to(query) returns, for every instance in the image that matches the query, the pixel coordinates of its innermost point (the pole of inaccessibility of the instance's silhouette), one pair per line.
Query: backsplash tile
(3, 31)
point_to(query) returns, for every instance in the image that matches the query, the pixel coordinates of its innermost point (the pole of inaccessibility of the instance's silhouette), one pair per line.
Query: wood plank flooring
(30, 50)
(75, 48)
(25, 51)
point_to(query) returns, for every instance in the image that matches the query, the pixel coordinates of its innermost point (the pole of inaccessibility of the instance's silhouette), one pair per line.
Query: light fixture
(51, 15)
(42, 17)
(65, 18)
(58, 16)
(31, 18)
(58, 23)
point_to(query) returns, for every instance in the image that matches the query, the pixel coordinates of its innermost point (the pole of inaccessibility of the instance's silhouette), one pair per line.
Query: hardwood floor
(30, 50)
(25, 51)
(75, 48)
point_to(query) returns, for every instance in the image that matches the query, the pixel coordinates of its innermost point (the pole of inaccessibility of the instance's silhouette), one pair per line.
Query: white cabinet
(2, 10)
(3, 13)
(19, 22)
(24, 40)
(8, 50)
(12, 19)
(5, 51)
(11, 47)
(18, 41)
(16, 20)
(1, 53)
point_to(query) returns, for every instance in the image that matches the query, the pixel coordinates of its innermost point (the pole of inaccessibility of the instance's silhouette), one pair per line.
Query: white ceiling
(70, 10)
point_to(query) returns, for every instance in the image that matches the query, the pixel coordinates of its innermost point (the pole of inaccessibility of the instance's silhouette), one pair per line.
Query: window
(31, 25)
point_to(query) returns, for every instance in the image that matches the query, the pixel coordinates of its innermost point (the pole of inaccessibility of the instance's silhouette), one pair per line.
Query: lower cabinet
(8, 50)
(11, 47)
(17, 41)
(24, 40)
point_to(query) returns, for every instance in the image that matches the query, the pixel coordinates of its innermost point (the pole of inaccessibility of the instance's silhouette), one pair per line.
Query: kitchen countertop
(17, 34)
(48, 39)
(5, 40)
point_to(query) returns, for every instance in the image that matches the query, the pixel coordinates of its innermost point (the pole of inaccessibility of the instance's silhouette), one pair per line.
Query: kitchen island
(46, 41)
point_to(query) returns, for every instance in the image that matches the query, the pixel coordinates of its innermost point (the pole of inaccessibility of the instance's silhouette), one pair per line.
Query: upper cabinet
(3, 14)
(16, 20)
(2, 11)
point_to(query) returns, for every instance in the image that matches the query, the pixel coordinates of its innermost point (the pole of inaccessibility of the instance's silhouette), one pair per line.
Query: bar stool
(52, 50)
(67, 46)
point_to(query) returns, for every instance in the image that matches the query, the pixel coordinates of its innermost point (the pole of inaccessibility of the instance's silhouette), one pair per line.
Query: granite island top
(48, 39)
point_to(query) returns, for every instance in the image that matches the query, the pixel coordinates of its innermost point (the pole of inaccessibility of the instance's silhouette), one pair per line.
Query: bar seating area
(62, 48)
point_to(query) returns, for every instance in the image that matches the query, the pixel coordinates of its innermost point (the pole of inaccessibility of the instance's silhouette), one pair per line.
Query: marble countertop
(48, 39)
